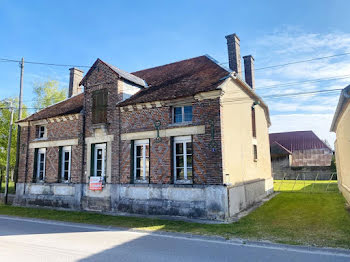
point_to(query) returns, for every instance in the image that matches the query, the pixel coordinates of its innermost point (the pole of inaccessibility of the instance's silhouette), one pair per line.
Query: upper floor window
(183, 159)
(182, 114)
(40, 131)
(253, 122)
(141, 161)
(99, 106)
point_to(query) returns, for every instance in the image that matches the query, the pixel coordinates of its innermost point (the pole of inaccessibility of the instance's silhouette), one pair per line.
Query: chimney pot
(249, 70)
(75, 76)
(234, 54)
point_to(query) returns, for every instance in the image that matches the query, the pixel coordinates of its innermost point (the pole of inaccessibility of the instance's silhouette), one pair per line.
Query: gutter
(344, 97)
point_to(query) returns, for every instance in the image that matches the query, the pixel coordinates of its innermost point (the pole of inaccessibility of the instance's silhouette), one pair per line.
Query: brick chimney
(75, 76)
(234, 54)
(249, 70)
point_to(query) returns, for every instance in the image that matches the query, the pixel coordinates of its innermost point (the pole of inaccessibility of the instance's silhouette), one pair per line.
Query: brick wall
(207, 163)
(62, 128)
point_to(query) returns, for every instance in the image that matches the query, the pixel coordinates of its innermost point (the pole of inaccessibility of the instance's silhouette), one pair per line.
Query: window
(253, 122)
(40, 165)
(255, 151)
(40, 131)
(183, 159)
(99, 160)
(182, 114)
(141, 161)
(99, 106)
(65, 163)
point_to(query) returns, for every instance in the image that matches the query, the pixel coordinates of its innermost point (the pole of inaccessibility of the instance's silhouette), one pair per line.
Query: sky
(134, 35)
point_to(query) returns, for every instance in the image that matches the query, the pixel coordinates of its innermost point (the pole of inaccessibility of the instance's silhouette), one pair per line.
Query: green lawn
(293, 218)
(11, 187)
(310, 186)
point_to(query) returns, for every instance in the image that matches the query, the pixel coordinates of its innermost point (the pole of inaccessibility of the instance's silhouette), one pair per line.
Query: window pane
(138, 162)
(189, 148)
(189, 161)
(99, 165)
(138, 174)
(66, 156)
(41, 166)
(188, 113)
(179, 161)
(99, 173)
(177, 114)
(180, 174)
(99, 153)
(66, 175)
(189, 173)
(138, 150)
(41, 175)
(179, 148)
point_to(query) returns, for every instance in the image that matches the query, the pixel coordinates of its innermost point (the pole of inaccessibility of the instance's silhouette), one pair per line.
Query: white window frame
(41, 151)
(184, 140)
(182, 114)
(41, 132)
(103, 165)
(142, 143)
(66, 149)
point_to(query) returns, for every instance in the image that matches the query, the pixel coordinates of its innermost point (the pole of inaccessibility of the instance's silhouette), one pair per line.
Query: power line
(304, 81)
(297, 62)
(41, 63)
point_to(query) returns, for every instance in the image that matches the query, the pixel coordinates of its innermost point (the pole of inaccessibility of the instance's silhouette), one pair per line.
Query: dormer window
(40, 132)
(182, 114)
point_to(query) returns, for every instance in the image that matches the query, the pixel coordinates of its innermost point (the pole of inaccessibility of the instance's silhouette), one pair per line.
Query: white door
(100, 160)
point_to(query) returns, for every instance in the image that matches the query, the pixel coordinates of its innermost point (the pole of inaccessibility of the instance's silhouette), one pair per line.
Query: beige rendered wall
(342, 152)
(238, 158)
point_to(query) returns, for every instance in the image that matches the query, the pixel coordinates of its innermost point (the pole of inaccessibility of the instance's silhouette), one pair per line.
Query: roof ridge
(169, 64)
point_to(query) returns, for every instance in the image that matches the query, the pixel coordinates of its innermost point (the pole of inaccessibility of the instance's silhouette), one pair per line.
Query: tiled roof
(298, 140)
(71, 105)
(179, 79)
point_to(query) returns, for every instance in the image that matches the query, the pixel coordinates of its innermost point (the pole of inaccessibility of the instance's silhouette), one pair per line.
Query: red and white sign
(95, 183)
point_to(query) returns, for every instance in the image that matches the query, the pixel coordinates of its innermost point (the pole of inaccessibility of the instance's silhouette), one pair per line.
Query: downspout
(82, 156)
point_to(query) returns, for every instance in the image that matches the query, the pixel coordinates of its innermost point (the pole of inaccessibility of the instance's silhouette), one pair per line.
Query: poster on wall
(95, 183)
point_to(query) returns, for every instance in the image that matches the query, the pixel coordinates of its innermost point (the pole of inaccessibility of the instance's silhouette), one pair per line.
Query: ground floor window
(39, 171)
(98, 160)
(183, 159)
(255, 152)
(141, 161)
(65, 163)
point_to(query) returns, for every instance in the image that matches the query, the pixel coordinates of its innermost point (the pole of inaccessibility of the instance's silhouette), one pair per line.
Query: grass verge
(292, 218)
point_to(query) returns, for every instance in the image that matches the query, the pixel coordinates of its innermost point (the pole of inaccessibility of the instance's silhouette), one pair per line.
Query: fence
(306, 182)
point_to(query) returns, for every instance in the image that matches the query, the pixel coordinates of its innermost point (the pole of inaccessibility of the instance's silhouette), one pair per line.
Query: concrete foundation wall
(246, 194)
(198, 201)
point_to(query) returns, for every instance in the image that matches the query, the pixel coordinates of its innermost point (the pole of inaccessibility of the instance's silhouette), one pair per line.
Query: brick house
(298, 151)
(188, 138)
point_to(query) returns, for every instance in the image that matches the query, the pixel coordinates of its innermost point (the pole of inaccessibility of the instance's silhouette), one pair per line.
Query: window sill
(181, 124)
(183, 182)
(141, 182)
(40, 139)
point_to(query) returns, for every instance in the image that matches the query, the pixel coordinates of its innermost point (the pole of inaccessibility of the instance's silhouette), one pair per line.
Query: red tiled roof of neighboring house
(298, 140)
(71, 105)
(179, 79)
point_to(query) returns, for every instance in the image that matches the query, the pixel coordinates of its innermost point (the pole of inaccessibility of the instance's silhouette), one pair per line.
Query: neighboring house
(341, 126)
(188, 138)
(293, 153)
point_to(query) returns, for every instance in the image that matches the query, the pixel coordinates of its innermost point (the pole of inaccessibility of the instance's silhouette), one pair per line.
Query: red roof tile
(180, 79)
(72, 105)
(298, 140)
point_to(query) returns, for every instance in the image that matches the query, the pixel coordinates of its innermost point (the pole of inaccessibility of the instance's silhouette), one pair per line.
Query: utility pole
(20, 98)
(8, 154)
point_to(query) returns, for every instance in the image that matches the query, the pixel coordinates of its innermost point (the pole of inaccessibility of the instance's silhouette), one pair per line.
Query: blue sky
(135, 35)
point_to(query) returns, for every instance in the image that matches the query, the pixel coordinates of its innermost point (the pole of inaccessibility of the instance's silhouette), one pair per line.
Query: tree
(48, 93)
(5, 116)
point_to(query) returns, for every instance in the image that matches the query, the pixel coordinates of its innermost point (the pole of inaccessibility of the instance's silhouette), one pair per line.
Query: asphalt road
(36, 240)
